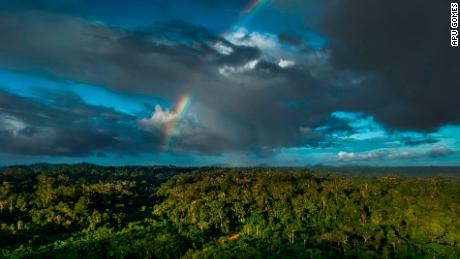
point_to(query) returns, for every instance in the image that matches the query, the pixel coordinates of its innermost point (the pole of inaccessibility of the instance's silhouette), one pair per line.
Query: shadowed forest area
(88, 211)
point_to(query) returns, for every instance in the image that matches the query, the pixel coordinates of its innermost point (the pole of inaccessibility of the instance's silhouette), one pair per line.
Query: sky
(231, 83)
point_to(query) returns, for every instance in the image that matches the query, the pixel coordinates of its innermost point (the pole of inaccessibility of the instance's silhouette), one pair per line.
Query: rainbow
(180, 110)
(254, 6)
(183, 104)
(248, 12)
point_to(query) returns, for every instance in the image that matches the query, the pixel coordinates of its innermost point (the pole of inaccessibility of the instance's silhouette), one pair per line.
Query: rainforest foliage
(87, 211)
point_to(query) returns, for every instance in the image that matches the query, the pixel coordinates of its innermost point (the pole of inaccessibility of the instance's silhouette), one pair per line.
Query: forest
(89, 211)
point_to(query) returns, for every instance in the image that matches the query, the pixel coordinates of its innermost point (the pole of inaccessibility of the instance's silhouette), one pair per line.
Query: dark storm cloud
(289, 39)
(402, 75)
(90, 52)
(244, 110)
(334, 125)
(66, 126)
(160, 59)
(402, 50)
(293, 41)
(410, 141)
(325, 133)
(439, 152)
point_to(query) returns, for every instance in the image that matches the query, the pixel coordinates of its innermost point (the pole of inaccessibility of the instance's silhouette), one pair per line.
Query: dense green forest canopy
(70, 211)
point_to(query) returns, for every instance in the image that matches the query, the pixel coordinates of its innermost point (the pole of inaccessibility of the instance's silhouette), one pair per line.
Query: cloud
(66, 126)
(402, 51)
(441, 151)
(244, 83)
(284, 37)
(222, 48)
(159, 59)
(159, 118)
(385, 154)
(352, 156)
(274, 48)
(227, 71)
(412, 141)
(241, 96)
(242, 37)
(286, 63)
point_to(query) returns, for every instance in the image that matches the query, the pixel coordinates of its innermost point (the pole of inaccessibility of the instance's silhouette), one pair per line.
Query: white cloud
(228, 70)
(12, 124)
(343, 156)
(269, 44)
(159, 118)
(251, 64)
(242, 37)
(286, 63)
(366, 156)
(385, 154)
(222, 48)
